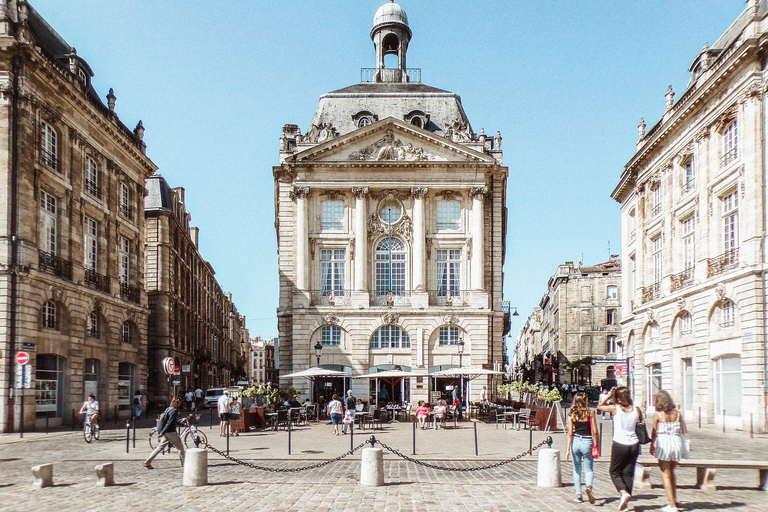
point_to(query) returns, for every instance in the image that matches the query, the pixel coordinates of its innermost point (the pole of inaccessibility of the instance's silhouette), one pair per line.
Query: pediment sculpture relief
(318, 134)
(459, 131)
(388, 148)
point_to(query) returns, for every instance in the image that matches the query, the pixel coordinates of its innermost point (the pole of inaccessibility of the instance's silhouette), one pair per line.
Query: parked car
(243, 384)
(212, 396)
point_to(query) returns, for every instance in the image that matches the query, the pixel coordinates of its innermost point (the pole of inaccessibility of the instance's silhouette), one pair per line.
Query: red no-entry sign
(22, 357)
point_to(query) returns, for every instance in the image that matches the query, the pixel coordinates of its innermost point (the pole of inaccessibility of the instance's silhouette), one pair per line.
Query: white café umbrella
(468, 373)
(390, 376)
(313, 373)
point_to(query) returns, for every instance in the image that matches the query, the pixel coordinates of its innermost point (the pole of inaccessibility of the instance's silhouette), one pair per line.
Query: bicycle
(90, 430)
(188, 435)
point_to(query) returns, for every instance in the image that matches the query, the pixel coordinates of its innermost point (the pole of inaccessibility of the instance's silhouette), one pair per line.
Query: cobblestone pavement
(335, 487)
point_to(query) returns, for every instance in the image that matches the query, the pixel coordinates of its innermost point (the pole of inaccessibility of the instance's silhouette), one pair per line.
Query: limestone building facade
(693, 209)
(191, 319)
(391, 223)
(262, 362)
(577, 320)
(71, 232)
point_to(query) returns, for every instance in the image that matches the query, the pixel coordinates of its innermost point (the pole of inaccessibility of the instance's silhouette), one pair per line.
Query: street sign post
(22, 358)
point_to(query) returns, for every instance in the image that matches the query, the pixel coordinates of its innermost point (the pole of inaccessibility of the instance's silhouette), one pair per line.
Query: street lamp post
(460, 346)
(318, 353)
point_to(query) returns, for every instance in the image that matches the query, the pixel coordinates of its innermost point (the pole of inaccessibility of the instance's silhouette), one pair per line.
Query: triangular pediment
(390, 140)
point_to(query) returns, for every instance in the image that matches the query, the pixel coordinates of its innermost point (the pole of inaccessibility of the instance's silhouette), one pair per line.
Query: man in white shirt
(199, 397)
(223, 406)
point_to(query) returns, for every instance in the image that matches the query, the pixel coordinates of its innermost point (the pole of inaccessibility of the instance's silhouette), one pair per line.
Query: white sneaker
(669, 508)
(623, 501)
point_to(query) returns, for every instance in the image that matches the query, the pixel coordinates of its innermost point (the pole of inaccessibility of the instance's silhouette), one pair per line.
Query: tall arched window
(390, 336)
(390, 265)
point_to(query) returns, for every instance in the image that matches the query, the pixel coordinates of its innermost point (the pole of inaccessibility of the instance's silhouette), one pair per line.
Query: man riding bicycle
(91, 409)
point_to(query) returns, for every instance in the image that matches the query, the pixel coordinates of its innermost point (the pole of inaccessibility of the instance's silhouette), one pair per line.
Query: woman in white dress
(668, 444)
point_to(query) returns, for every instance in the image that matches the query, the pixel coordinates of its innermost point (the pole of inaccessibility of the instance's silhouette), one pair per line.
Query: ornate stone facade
(72, 232)
(405, 260)
(693, 224)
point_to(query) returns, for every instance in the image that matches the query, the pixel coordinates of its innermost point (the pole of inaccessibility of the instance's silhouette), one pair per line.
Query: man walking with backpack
(349, 407)
(167, 423)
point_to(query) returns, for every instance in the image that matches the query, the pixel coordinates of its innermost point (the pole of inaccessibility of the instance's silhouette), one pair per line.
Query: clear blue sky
(565, 82)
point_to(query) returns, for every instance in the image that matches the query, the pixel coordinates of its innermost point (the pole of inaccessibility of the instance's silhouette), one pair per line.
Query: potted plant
(263, 393)
(546, 398)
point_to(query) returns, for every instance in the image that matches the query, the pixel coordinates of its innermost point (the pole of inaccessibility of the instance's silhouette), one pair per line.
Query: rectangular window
(730, 143)
(332, 215)
(610, 347)
(49, 315)
(330, 335)
(49, 222)
(730, 212)
(728, 395)
(656, 200)
(612, 292)
(449, 335)
(657, 260)
(332, 270)
(92, 177)
(49, 146)
(689, 180)
(125, 260)
(90, 244)
(653, 383)
(125, 201)
(610, 317)
(689, 243)
(686, 324)
(448, 270)
(448, 215)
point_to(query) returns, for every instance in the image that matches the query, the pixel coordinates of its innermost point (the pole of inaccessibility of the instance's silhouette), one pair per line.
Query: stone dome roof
(389, 13)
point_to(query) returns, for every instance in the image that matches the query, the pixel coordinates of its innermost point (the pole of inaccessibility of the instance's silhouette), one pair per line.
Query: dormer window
(82, 76)
(417, 118)
(364, 118)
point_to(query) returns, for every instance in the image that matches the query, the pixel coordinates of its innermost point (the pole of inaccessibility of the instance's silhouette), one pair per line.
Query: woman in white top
(625, 447)
(667, 444)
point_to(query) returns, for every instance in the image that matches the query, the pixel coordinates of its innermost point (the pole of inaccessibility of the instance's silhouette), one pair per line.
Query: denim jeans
(581, 451)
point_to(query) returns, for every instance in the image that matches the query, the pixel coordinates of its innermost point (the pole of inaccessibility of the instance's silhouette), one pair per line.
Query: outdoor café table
(514, 415)
(271, 419)
(361, 417)
(393, 411)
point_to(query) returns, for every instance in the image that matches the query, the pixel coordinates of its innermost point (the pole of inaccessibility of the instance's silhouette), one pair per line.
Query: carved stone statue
(388, 148)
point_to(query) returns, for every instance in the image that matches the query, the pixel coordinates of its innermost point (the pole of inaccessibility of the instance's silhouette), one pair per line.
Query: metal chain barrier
(287, 470)
(478, 468)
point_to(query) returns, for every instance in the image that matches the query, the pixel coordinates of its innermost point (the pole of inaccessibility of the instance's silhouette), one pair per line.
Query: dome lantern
(391, 35)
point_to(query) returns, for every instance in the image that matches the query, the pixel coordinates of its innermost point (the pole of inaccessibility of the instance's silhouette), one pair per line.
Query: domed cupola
(391, 35)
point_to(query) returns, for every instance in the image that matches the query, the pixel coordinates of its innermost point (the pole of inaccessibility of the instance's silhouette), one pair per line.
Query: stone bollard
(196, 467)
(105, 473)
(549, 474)
(372, 467)
(43, 475)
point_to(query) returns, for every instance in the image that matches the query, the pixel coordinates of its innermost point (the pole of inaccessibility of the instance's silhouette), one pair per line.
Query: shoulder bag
(595, 437)
(640, 431)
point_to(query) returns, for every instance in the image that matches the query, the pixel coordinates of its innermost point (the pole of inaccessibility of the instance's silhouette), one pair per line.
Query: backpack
(161, 419)
(136, 400)
(350, 402)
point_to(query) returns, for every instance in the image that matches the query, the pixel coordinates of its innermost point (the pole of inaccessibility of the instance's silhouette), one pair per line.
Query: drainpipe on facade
(763, 247)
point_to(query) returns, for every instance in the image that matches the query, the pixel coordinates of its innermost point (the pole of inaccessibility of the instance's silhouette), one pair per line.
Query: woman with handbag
(625, 447)
(583, 444)
(668, 444)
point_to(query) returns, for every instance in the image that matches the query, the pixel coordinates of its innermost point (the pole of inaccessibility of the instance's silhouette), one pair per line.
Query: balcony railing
(126, 211)
(93, 188)
(726, 261)
(389, 75)
(729, 156)
(49, 159)
(655, 210)
(689, 186)
(97, 281)
(682, 279)
(329, 298)
(390, 298)
(130, 293)
(448, 298)
(650, 293)
(59, 267)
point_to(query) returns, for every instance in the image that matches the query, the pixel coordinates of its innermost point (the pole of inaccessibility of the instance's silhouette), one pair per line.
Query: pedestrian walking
(189, 397)
(137, 404)
(235, 418)
(167, 433)
(334, 411)
(668, 444)
(199, 397)
(625, 447)
(582, 438)
(349, 414)
(223, 407)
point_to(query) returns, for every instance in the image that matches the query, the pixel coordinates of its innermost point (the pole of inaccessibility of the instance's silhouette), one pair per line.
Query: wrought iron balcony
(329, 298)
(726, 261)
(729, 156)
(49, 159)
(59, 267)
(689, 186)
(448, 297)
(682, 279)
(650, 293)
(93, 188)
(655, 210)
(390, 298)
(97, 281)
(130, 293)
(126, 211)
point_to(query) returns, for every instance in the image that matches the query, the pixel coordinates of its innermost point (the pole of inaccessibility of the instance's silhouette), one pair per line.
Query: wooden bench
(706, 470)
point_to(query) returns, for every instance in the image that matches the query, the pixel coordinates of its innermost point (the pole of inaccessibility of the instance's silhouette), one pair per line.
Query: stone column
(361, 238)
(419, 238)
(477, 269)
(300, 195)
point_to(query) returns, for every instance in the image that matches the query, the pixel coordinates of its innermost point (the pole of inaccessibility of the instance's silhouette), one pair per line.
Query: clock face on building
(390, 213)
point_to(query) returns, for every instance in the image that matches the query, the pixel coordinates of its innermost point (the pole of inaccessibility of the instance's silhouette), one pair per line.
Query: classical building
(262, 361)
(190, 319)
(577, 320)
(693, 210)
(71, 234)
(391, 223)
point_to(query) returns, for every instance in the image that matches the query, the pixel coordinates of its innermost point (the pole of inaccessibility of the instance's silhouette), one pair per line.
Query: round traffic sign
(22, 357)
(169, 365)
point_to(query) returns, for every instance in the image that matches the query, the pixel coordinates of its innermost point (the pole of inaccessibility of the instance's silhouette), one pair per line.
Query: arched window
(330, 335)
(390, 336)
(390, 265)
(50, 315)
(449, 335)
